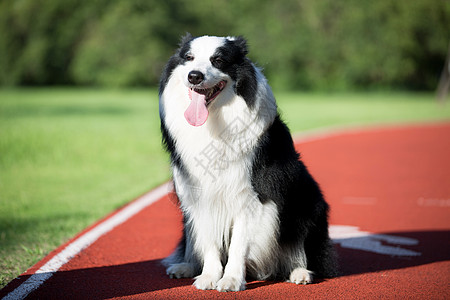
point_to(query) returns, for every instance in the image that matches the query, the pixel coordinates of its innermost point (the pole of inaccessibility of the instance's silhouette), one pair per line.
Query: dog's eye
(189, 57)
(217, 60)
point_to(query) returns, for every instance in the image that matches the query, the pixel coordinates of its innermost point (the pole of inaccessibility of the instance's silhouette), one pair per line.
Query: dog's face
(206, 74)
(211, 63)
(209, 69)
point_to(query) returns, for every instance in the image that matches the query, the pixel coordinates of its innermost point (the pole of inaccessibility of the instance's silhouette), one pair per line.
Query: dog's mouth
(211, 93)
(197, 112)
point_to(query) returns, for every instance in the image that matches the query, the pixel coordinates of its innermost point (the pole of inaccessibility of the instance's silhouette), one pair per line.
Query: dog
(250, 207)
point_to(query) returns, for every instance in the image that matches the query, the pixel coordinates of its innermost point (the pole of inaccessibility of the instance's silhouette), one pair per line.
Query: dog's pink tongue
(197, 113)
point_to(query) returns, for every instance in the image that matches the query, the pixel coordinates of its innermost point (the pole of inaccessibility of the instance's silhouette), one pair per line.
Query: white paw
(182, 270)
(230, 284)
(205, 282)
(301, 276)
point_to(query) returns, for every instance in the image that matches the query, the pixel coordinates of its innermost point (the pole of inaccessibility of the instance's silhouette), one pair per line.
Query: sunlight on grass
(313, 110)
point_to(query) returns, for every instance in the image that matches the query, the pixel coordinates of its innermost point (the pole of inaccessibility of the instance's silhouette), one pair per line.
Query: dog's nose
(195, 77)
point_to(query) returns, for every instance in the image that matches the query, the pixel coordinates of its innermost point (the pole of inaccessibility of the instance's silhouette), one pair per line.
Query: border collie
(250, 207)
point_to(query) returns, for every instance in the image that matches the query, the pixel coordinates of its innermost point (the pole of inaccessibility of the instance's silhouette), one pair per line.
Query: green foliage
(301, 44)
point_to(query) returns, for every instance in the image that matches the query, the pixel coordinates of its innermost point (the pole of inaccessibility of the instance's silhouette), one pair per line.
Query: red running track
(389, 190)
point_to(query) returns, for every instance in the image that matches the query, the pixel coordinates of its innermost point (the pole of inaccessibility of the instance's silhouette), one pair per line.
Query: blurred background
(79, 124)
(305, 45)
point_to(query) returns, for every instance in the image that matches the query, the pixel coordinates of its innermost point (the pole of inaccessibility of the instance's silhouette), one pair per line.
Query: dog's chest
(216, 161)
(212, 154)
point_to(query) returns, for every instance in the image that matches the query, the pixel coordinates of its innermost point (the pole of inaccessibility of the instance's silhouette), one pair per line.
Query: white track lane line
(84, 241)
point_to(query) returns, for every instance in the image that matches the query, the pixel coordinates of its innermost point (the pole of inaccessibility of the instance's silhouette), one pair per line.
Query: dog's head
(210, 68)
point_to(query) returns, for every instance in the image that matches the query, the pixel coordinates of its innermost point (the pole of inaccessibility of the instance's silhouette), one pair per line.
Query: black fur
(279, 175)
(238, 67)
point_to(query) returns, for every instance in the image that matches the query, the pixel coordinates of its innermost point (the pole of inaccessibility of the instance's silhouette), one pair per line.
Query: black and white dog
(250, 207)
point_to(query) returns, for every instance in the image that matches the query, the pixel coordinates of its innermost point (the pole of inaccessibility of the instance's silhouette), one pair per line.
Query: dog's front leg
(234, 276)
(212, 269)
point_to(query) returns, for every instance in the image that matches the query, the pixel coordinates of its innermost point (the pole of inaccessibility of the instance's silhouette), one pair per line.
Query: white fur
(223, 212)
(301, 276)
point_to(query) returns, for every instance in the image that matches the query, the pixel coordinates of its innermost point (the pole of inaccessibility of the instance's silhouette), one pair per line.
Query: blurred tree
(130, 43)
(301, 44)
(38, 38)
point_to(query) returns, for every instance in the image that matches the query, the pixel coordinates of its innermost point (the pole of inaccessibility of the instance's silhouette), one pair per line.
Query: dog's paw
(182, 270)
(230, 284)
(206, 282)
(301, 276)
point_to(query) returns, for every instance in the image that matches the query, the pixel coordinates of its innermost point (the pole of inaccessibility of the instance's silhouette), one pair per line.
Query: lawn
(70, 156)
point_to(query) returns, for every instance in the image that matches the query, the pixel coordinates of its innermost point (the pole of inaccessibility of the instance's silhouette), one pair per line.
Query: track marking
(84, 241)
(359, 200)
(351, 237)
(422, 201)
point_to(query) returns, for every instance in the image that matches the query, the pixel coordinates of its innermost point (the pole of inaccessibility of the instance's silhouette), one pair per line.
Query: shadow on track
(149, 276)
(108, 282)
(432, 246)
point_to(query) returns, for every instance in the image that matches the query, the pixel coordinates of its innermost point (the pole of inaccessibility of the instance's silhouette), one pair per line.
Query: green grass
(70, 156)
(304, 111)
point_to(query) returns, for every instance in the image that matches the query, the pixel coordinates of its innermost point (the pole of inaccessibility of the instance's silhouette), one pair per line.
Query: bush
(324, 44)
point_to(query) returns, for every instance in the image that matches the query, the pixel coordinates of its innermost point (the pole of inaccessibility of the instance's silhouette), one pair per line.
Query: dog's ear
(186, 39)
(241, 43)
